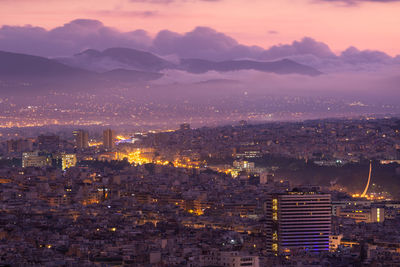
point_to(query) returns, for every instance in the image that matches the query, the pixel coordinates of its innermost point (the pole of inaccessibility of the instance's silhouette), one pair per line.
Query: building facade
(108, 139)
(298, 221)
(81, 139)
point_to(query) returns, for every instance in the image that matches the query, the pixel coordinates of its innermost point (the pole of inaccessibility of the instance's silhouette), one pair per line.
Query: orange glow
(370, 197)
(93, 143)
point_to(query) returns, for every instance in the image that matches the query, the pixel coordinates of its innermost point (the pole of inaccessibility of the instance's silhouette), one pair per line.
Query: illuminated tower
(369, 179)
(298, 221)
(67, 161)
(81, 139)
(108, 139)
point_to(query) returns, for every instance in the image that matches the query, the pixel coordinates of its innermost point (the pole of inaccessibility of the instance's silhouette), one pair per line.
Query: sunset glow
(363, 24)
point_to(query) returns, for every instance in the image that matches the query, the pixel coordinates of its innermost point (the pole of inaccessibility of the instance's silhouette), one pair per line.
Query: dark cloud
(307, 46)
(202, 42)
(68, 39)
(354, 56)
(318, 55)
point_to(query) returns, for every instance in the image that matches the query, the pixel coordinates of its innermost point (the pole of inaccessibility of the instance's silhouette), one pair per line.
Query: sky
(365, 24)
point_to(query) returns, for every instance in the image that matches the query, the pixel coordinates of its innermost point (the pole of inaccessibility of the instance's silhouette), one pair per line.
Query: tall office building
(20, 145)
(81, 139)
(49, 143)
(298, 221)
(108, 139)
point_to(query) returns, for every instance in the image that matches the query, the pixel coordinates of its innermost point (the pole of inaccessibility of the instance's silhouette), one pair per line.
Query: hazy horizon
(277, 65)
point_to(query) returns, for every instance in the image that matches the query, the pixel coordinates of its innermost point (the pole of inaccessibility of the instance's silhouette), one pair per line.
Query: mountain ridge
(18, 70)
(127, 58)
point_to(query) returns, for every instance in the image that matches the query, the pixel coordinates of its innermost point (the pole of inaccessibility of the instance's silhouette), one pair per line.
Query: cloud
(354, 56)
(168, 1)
(152, 1)
(355, 2)
(318, 55)
(348, 1)
(307, 46)
(123, 13)
(68, 39)
(202, 42)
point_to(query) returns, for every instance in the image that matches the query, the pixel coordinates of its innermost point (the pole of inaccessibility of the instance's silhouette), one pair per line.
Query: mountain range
(117, 58)
(126, 58)
(20, 68)
(116, 65)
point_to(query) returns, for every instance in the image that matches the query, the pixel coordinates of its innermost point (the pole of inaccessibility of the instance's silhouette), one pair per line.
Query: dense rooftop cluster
(196, 197)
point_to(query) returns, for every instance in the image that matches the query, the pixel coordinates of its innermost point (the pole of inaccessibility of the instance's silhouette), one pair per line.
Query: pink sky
(373, 24)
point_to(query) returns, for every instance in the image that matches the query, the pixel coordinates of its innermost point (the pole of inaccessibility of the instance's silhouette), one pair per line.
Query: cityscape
(204, 133)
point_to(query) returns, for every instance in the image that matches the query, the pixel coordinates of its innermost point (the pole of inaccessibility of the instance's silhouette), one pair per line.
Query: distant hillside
(122, 75)
(125, 58)
(117, 58)
(13, 64)
(284, 66)
(17, 69)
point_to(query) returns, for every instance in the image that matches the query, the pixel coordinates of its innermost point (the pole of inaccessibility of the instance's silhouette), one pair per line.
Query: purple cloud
(307, 46)
(318, 55)
(167, 1)
(354, 56)
(355, 2)
(68, 39)
(348, 1)
(123, 13)
(153, 1)
(202, 42)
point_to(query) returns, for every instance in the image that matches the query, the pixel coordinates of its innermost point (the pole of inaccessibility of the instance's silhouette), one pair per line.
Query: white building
(229, 259)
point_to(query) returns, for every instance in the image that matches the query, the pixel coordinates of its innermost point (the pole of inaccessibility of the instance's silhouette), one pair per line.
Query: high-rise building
(108, 139)
(49, 143)
(35, 159)
(81, 139)
(298, 221)
(68, 160)
(20, 145)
